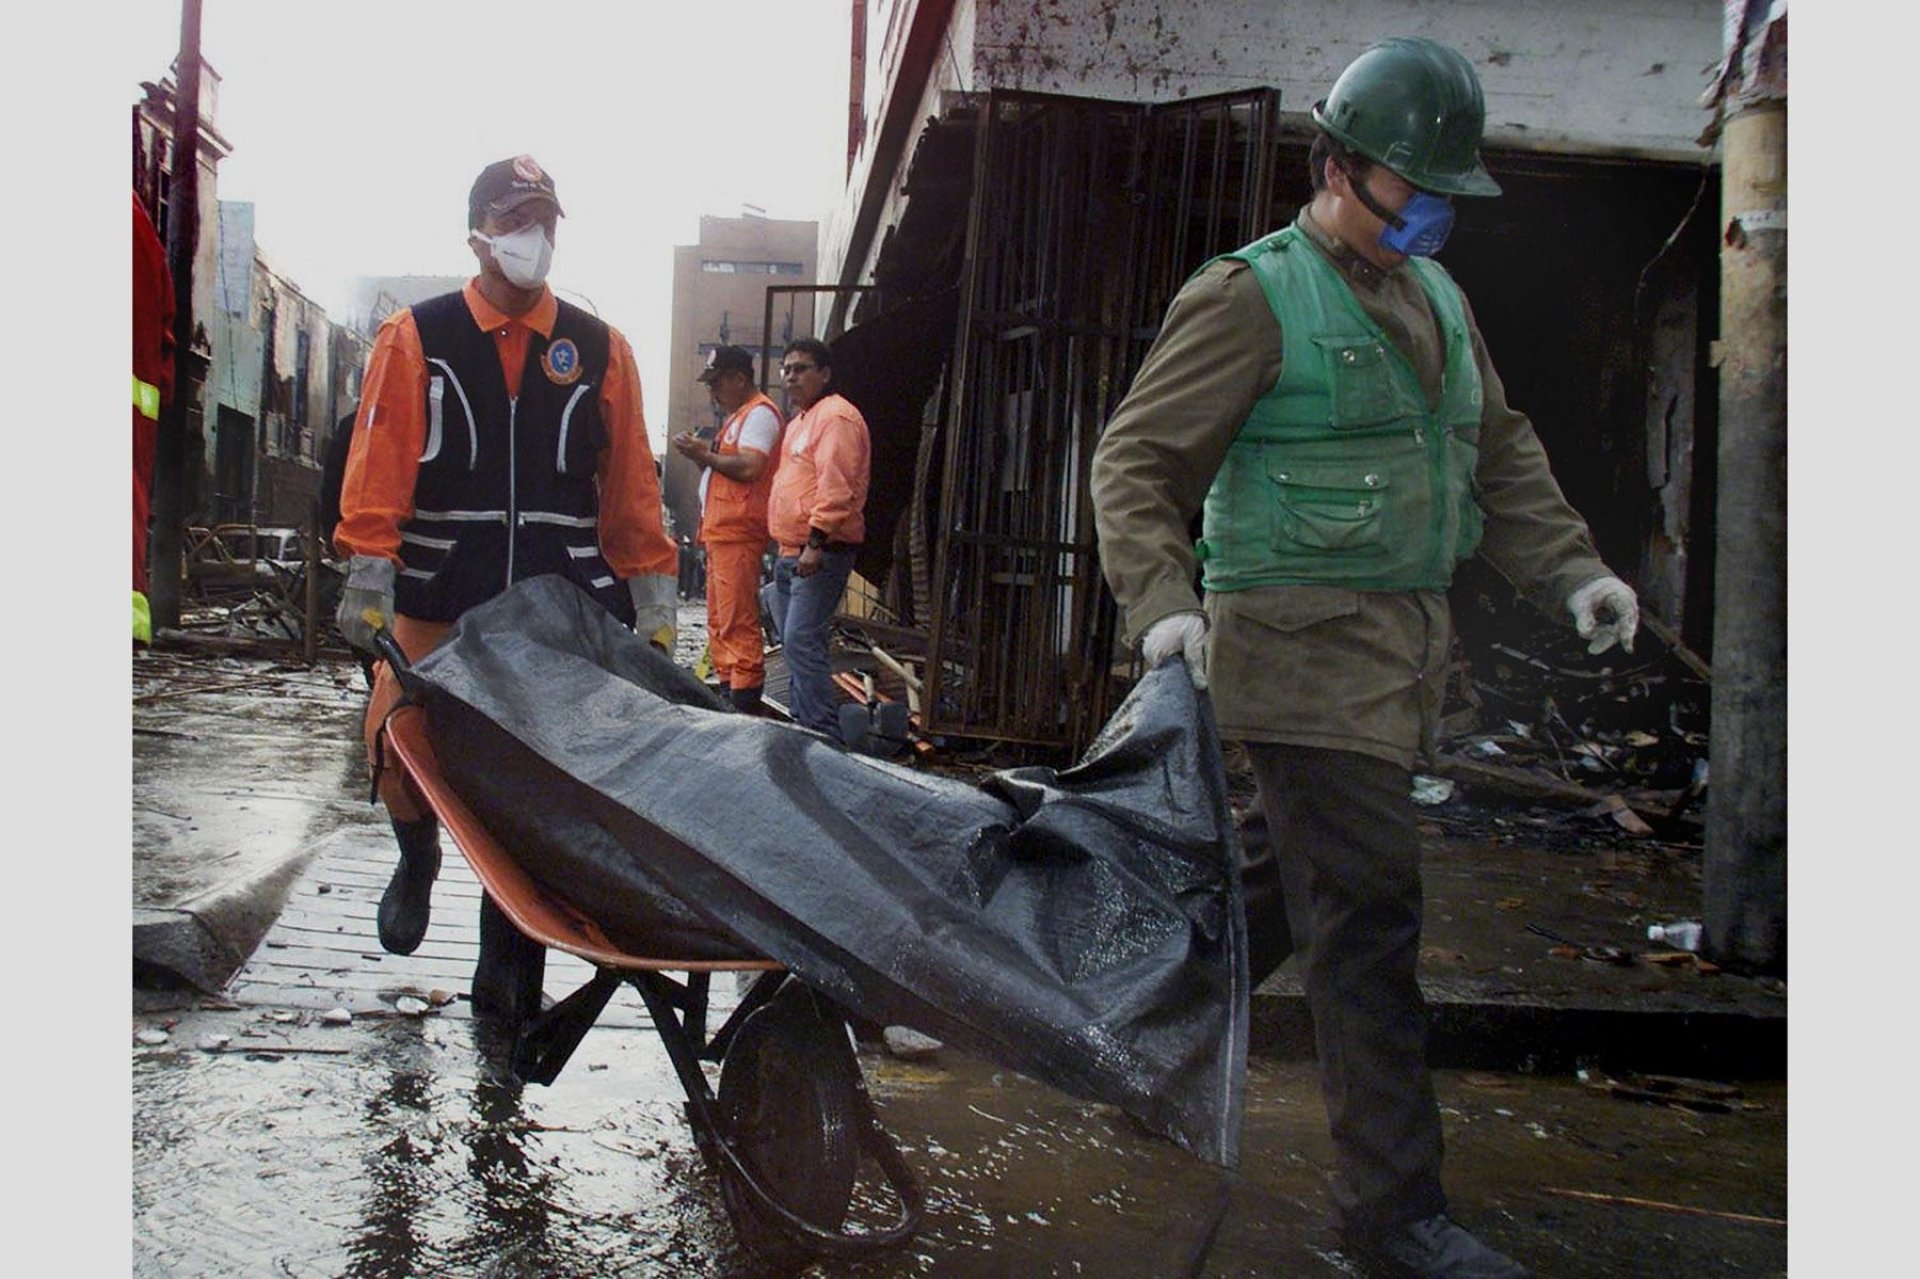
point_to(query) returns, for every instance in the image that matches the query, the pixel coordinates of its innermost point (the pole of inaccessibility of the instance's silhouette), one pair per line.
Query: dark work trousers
(1332, 873)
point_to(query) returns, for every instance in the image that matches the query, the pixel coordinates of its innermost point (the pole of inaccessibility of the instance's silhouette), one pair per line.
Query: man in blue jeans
(815, 514)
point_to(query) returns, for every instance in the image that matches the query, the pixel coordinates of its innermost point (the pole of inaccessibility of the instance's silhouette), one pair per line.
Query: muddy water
(398, 1149)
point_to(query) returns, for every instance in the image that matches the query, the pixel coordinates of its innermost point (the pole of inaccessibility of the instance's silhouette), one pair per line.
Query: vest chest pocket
(1365, 383)
(1328, 506)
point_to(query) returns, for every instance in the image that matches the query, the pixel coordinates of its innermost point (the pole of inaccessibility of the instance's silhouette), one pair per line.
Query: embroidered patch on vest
(562, 362)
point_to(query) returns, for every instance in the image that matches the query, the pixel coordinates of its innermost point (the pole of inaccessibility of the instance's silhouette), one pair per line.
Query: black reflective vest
(506, 488)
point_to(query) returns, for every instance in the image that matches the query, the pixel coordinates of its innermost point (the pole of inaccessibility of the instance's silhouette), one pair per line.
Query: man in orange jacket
(816, 513)
(499, 437)
(152, 388)
(738, 476)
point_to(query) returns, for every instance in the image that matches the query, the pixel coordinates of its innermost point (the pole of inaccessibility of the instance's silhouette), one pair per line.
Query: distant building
(720, 297)
(374, 297)
(1029, 182)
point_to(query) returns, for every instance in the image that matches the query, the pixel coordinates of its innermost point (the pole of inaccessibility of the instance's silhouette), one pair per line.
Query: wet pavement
(268, 1141)
(393, 1146)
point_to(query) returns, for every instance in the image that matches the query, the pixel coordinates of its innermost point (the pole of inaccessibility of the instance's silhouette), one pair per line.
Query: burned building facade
(1029, 181)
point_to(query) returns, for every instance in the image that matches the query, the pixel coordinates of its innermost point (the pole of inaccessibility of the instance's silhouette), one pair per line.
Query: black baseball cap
(727, 359)
(508, 184)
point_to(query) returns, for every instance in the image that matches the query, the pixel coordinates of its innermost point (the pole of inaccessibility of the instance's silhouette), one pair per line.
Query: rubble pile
(1531, 715)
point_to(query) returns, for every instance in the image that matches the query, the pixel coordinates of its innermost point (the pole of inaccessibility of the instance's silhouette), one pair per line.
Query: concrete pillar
(1746, 838)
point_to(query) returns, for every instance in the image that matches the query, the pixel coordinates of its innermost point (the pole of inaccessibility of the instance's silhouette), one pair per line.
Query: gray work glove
(369, 588)
(1605, 610)
(1184, 634)
(655, 611)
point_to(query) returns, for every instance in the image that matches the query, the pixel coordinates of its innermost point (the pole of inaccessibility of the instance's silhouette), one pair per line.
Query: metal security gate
(1086, 216)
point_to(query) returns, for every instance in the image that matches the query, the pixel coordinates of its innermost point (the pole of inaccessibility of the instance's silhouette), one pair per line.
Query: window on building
(302, 355)
(749, 268)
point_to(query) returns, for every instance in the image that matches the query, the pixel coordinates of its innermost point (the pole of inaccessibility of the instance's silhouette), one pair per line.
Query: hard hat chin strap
(1418, 230)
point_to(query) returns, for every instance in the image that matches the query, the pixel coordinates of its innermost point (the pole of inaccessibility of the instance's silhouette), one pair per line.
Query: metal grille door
(1086, 217)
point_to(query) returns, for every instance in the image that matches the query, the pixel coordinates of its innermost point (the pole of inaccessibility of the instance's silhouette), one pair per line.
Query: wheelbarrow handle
(395, 656)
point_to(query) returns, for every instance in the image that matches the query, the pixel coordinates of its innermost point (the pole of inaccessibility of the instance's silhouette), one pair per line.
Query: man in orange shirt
(499, 437)
(734, 486)
(815, 513)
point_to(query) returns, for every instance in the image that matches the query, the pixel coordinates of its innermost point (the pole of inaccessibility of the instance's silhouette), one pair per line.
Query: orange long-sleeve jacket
(376, 497)
(826, 461)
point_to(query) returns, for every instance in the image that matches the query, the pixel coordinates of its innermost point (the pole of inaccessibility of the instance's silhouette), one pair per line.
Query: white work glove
(654, 609)
(1605, 610)
(1184, 634)
(369, 587)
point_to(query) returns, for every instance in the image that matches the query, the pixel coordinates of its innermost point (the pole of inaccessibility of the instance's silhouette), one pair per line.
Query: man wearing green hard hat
(1322, 398)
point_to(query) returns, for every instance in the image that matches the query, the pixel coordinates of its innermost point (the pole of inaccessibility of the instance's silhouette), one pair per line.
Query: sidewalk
(258, 862)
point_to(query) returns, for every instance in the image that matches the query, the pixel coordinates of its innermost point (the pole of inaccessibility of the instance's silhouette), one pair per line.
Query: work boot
(405, 906)
(1433, 1248)
(509, 973)
(747, 700)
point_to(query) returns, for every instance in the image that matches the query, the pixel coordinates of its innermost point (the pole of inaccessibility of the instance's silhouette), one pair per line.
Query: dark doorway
(232, 467)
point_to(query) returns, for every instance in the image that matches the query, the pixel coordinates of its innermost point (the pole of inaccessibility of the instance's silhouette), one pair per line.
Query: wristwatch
(816, 539)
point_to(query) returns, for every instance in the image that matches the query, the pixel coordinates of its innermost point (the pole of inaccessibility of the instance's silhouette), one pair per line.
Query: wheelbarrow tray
(1082, 926)
(537, 911)
(792, 1119)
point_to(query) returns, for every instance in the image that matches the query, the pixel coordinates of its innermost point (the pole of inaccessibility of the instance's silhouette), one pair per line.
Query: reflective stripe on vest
(146, 398)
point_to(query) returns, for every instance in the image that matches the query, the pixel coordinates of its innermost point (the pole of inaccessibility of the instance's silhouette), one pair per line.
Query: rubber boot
(405, 906)
(510, 971)
(747, 700)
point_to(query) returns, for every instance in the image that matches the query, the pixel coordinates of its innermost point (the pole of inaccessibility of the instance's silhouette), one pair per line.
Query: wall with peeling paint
(1612, 75)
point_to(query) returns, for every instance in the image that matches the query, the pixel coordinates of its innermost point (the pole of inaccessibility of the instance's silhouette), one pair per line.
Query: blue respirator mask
(1418, 230)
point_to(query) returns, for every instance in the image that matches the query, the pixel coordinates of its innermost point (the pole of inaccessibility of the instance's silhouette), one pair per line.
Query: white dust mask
(523, 255)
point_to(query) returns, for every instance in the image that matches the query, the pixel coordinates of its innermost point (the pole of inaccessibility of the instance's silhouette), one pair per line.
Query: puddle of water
(410, 1154)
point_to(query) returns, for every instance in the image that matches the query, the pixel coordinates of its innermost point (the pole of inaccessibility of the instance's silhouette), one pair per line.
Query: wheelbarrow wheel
(787, 1107)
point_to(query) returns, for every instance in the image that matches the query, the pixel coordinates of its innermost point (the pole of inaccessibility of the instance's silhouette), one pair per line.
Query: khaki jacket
(1309, 665)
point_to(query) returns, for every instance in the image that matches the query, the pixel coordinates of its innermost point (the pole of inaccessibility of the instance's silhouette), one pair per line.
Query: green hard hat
(1414, 106)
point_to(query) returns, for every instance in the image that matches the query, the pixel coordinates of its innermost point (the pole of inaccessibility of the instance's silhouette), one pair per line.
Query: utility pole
(183, 235)
(1746, 838)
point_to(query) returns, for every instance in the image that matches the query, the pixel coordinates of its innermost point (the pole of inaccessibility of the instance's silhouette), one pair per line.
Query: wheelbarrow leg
(509, 973)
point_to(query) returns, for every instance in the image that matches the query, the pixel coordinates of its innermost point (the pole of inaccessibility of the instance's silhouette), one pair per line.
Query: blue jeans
(803, 609)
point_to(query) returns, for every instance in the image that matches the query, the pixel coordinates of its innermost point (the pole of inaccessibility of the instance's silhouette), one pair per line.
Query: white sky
(357, 127)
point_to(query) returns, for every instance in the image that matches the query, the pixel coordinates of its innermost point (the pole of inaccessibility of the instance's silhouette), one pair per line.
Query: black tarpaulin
(1082, 926)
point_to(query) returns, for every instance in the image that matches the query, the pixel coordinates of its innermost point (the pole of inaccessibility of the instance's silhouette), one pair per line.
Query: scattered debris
(1668, 1090)
(908, 1044)
(1624, 817)
(1619, 738)
(409, 1006)
(1683, 935)
(215, 1043)
(1632, 1201)
(151, 1037)
(337, 1017)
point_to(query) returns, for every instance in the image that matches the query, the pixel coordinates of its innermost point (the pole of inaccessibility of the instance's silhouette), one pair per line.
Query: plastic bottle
(1684, 935)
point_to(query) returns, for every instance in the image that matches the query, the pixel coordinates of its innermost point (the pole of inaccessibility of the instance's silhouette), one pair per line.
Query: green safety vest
(1341, 475)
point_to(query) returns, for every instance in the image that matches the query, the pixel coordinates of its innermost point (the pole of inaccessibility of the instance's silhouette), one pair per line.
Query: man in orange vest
(499, 437)
(737, 476)
(152, 388)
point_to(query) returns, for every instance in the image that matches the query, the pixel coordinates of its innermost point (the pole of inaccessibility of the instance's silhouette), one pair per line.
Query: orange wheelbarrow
(791, 1126)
